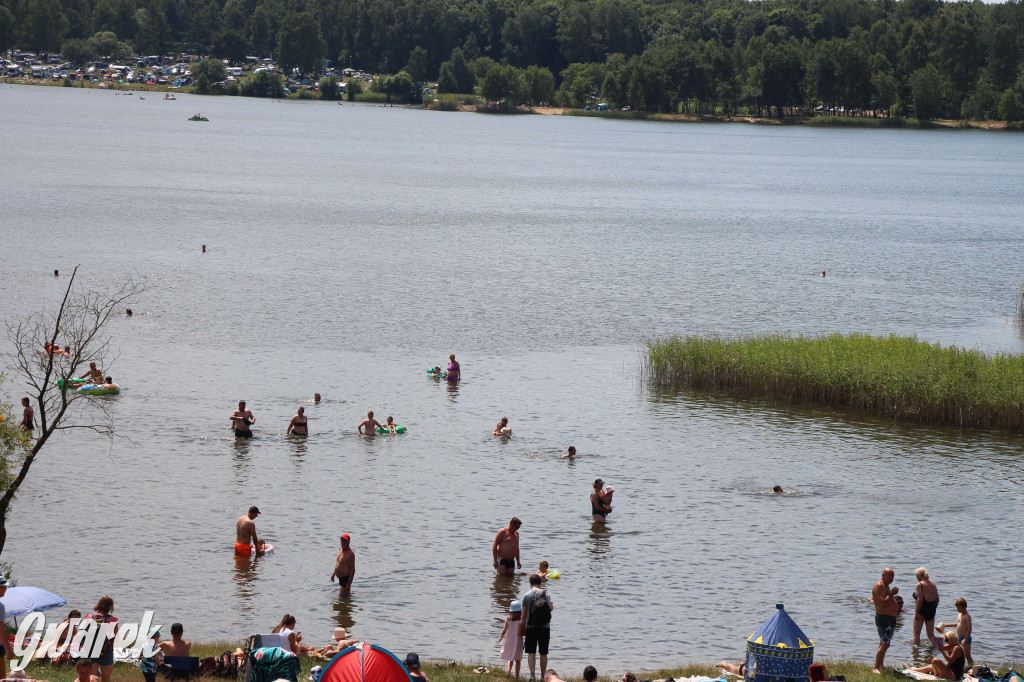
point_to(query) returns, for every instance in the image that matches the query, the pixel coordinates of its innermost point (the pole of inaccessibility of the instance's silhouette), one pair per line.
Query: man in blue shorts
(886, 608)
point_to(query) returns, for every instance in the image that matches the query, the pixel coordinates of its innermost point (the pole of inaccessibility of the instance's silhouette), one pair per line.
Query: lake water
(352, 247)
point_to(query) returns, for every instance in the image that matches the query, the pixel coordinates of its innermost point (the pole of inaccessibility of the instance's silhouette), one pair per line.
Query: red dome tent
(364, 663)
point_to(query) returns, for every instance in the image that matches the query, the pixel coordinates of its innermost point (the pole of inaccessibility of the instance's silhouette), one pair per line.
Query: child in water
(437, 373)
(390, 425)
(512, 633)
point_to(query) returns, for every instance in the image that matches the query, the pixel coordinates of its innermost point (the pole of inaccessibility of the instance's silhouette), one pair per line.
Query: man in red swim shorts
(245, 533)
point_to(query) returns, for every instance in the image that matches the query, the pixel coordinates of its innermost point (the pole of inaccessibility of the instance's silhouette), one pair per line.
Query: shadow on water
(505, 590)
(245, 579)
(600, 544)
(298, 446)
(343, 609)
(686, 402)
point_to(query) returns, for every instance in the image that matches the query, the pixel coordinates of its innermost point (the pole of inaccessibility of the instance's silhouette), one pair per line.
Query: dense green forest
(922, 58)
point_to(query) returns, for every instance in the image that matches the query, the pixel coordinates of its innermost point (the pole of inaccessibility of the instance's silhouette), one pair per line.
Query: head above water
(369, 415)
(254, 511)
(345, 539)
(515, 523)
(888, 575)
(598, 484)
(452, 356)
(777, 489)
(572, 449)
(316, 397)
(391, 419)
(302, 410)
(241, 404)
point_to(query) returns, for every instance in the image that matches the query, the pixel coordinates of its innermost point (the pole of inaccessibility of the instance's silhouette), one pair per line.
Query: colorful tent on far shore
(364, 663)
(778, 651)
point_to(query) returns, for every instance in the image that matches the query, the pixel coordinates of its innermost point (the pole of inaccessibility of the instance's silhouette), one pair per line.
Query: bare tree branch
(78, 327)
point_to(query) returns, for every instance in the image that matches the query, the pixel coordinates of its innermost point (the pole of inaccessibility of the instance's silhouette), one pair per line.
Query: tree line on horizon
(922, 58)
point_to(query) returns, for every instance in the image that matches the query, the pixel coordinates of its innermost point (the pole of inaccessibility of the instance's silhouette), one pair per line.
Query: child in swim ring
(390, 425)
(542, 570)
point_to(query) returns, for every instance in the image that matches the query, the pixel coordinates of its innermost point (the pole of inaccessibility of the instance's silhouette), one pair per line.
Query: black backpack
(540, 611)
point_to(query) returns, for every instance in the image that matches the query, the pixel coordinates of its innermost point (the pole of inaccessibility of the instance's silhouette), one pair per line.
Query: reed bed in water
(888, 376)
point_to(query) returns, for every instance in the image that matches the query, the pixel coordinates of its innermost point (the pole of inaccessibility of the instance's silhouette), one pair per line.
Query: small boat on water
(197, 117)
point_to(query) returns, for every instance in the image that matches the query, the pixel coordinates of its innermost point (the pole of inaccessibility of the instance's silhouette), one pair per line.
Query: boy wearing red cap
(345, 565)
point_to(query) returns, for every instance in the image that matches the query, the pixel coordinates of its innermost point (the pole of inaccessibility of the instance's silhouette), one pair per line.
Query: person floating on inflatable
(436, 373)
(245, 534)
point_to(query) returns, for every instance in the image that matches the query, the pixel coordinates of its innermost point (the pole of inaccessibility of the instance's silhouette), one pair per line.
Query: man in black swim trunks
(345, 565)
(505, 549)
(242, 419)
(886, 608)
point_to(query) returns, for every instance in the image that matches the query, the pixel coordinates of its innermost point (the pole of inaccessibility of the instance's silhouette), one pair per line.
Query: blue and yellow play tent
(778, 651)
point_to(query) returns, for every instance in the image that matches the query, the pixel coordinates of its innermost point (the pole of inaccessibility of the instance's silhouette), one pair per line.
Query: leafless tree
(78, 328)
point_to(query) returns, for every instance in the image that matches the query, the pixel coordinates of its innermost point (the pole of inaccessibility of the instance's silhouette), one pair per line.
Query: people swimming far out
(502, 429)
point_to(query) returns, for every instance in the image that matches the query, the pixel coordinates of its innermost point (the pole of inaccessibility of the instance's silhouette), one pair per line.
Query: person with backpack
(537, 607)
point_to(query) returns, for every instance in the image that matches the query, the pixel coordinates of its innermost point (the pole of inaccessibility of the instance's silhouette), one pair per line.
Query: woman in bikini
(298, 426)
(454, 371)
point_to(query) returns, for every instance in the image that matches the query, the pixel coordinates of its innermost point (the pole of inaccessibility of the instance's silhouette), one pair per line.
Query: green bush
(263, 84)
(375, 97)
(888, 376)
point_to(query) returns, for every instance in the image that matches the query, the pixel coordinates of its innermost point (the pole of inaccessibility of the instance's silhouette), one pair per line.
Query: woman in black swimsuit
(599, 508)
(927, 596)
(297, 426)
(953, 667)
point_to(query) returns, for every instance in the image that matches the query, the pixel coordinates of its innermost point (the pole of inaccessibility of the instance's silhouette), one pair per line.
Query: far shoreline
(888, 123)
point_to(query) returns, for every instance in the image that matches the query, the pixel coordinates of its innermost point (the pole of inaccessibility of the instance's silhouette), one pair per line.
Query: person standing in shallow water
(926, 594)
(298, 426)
(454, 370)
(886, 608)
(242, 419)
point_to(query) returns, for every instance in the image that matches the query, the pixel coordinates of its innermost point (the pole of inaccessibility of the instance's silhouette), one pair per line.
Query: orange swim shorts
(245, 549)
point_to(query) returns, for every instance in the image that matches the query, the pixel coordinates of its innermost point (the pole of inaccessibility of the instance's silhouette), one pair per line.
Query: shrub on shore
(888, 376)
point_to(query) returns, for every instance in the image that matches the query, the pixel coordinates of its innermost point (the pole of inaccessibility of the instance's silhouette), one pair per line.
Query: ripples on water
(350, 248)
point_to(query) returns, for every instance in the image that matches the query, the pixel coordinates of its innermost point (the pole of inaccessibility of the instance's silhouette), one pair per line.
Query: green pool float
(398, 429)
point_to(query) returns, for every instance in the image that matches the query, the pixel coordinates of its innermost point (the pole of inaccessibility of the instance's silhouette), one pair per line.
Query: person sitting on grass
(590, 674)
(176, 646)
(953, 667)
(412, 664)
(287, 628)
(84, 670)
(817, 672)
(341, 642)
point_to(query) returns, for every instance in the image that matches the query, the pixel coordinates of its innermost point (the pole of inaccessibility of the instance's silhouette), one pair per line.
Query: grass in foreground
(895, 377)
(463, 672)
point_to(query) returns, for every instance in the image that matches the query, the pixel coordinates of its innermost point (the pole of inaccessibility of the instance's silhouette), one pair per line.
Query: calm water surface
(352, 247)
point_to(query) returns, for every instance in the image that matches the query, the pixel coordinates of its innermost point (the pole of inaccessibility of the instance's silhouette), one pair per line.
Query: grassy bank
(887, 376)
(450, 671)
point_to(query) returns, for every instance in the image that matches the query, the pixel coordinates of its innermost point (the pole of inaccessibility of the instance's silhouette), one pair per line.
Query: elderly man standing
(886, 608)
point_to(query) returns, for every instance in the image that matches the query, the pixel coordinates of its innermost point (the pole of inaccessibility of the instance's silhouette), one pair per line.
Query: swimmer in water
(93, 374)
(204, 245)
(454, 370)
(571, 453)
(822, 273)
(778, 489)
(56, 273)
(316, 398)
(298, 426)
(390, 425)
(245, 532)
(368, 426)
(242, 419)
(502, 429)
(128, 312)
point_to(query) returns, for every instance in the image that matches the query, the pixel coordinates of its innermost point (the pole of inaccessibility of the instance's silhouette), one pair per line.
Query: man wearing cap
(245, 534)
(345, 565)
(4, 653)
(412, 664)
